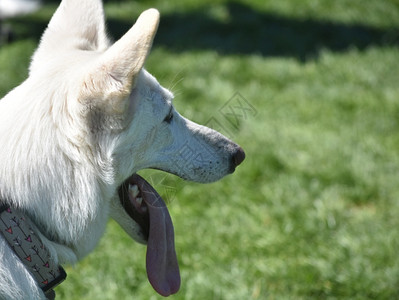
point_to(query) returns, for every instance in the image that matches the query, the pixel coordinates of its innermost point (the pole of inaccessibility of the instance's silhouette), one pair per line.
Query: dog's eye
(169, 117)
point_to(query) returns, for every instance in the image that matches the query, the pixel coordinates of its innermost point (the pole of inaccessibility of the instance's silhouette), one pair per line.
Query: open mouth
(142, 202)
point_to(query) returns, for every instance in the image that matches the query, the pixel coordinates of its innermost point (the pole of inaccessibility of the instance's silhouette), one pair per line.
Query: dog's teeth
(133, 190)
(139, 200)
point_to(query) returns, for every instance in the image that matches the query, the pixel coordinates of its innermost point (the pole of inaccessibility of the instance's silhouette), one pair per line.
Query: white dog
(72, 137)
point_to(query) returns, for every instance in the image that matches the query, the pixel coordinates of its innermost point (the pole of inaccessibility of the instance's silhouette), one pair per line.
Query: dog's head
(116, 117)
(124, 113)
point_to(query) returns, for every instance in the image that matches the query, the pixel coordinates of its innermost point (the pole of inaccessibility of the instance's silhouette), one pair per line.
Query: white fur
(87, 118)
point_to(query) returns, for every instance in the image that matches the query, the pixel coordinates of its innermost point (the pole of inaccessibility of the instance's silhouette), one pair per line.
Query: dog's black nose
(238, 157)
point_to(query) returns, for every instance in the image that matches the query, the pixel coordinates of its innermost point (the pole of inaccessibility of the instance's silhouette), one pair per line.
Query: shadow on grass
(249, 32)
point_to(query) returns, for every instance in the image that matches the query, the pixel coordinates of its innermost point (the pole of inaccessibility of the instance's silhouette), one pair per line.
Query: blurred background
(310, 90)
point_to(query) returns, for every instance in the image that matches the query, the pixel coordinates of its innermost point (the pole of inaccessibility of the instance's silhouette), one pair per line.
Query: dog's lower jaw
(128, 224)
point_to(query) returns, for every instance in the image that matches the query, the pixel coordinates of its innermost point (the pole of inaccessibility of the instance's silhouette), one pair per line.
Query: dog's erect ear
(113, 77)
(81, 23)
(76, 24)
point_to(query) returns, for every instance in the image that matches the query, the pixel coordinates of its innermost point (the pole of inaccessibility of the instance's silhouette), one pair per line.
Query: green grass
(313, 211)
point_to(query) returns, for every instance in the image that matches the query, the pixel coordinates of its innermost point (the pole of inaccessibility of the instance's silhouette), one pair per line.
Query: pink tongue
(162, 266)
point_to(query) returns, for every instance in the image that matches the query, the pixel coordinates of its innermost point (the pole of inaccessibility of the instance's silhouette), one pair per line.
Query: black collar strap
(30, 250)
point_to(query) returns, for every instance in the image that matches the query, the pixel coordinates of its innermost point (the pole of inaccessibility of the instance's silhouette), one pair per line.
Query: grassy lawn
(310, 90)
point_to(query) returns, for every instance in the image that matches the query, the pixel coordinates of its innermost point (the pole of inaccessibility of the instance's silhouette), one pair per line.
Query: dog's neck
(62, 190)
